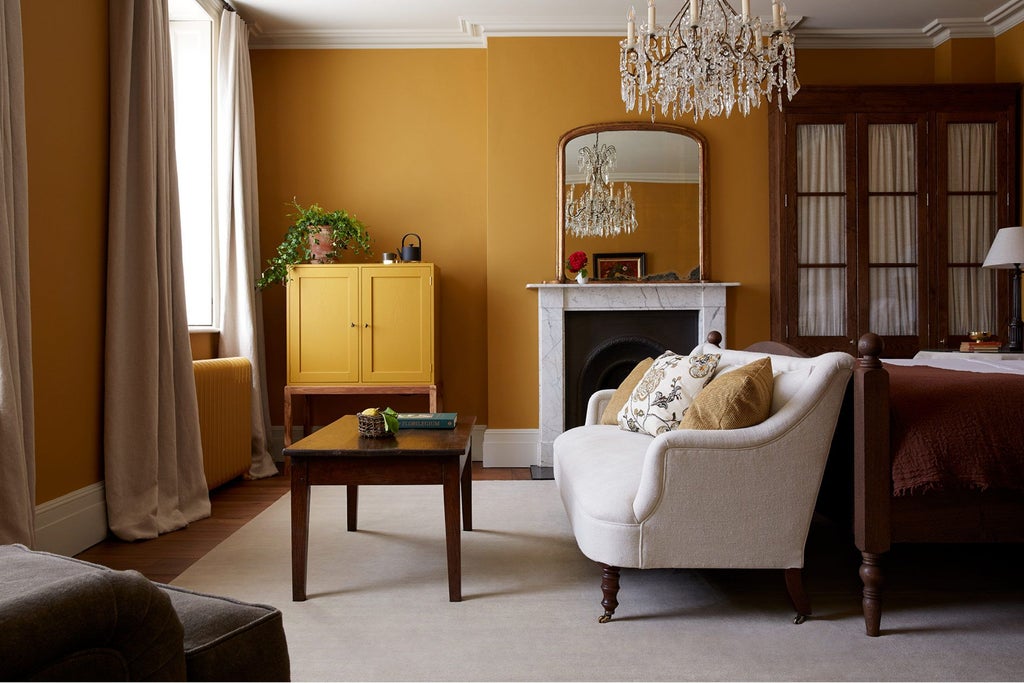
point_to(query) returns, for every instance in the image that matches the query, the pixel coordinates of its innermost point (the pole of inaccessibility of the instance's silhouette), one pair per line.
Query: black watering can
(411, 252)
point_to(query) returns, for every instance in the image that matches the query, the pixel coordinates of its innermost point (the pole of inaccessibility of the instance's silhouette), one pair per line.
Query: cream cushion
(621, 395)
(736, 399)
(666, 390)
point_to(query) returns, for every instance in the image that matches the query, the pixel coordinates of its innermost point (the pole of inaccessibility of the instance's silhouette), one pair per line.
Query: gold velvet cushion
(736, 399)
(610, 416)
(666, 390)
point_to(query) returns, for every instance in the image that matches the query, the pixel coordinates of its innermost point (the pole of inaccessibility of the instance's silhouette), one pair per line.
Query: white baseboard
(511, 447)
(277, 441)
(75, 521)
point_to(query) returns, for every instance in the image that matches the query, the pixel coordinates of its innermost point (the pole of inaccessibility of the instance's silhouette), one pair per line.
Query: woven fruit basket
(372, 426)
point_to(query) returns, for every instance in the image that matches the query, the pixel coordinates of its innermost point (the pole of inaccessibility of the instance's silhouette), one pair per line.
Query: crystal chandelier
(602, 210)
(707, 60)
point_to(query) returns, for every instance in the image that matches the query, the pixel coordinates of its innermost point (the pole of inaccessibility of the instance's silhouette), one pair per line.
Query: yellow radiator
(223, 390)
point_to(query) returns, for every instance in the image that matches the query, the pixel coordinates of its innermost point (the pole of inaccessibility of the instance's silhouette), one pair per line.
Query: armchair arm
(596, 405)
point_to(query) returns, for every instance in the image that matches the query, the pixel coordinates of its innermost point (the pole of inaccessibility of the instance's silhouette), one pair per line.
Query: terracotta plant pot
(320, 245)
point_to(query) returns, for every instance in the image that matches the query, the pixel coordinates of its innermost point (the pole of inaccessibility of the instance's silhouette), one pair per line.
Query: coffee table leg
(352, 498)
(300, 527)
(450, 482)
(467, 492)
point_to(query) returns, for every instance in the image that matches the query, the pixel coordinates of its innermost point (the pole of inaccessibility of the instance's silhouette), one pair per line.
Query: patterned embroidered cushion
(667, 389)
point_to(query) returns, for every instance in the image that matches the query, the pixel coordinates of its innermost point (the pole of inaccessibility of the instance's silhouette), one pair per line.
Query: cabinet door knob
(366, 324)
(351, 324)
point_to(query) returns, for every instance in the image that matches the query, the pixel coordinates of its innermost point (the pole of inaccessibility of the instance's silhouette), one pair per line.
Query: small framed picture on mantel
(622, 266)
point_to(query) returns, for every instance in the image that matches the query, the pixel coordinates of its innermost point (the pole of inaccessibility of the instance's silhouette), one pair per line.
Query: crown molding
(473, 32)
(1007, 16)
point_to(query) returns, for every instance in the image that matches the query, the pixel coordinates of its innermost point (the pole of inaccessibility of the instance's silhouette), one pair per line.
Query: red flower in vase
(577, 262)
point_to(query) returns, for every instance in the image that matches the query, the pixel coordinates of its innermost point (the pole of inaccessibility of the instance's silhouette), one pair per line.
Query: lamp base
(1013, 338)
(1013, 332)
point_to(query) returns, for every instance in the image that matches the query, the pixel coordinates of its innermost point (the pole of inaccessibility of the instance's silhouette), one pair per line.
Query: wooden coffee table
(336, 454)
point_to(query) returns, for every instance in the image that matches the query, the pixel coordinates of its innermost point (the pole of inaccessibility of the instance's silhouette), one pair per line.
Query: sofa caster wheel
(800, 618)
(604, 618)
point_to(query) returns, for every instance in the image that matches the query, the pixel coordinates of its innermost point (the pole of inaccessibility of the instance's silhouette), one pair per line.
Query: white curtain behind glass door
(972, 226)
(892, 229)
(821, 231)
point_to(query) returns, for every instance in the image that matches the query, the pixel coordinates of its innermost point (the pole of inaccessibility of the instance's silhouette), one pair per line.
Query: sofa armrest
(596, 405)
(57, 615)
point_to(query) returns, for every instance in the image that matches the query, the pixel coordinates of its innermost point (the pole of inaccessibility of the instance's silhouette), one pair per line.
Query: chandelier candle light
(708, 60)
(602, 210)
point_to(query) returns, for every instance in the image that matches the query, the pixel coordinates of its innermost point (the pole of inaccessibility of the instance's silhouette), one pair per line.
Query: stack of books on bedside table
(980, 346)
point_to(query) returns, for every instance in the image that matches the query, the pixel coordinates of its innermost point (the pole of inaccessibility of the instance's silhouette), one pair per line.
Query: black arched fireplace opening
(602, 347)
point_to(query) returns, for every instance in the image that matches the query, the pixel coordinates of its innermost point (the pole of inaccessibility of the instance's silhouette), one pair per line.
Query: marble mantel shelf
(554, 298)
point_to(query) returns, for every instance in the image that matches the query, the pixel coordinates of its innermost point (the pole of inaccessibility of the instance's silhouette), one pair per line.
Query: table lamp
(1007, 251)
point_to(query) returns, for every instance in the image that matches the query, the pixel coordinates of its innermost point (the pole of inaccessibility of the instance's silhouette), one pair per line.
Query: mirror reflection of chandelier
(708, 60)
(602, 210)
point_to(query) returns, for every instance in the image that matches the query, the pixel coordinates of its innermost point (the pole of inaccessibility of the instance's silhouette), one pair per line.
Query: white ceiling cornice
(473, 32)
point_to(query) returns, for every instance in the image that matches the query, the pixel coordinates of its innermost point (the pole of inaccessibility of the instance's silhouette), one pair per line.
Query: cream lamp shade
(1007, 250)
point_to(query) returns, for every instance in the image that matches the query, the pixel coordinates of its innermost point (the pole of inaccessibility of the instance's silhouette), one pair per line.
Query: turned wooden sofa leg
(871, 576)
(797, 596)
(609, 590)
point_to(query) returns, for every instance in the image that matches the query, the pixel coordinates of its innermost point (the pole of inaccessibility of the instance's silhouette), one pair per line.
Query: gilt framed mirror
(656, 180)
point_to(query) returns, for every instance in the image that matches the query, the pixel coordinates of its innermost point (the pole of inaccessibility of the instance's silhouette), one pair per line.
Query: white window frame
(191, 16)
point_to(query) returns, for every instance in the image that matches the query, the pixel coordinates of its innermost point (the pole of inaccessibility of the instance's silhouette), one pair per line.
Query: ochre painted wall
(965, 60)
(537, 89)
(66, 112)
(395, 137)
(456, 145)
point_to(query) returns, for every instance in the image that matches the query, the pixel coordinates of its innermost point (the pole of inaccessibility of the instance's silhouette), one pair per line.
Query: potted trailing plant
(315, 236)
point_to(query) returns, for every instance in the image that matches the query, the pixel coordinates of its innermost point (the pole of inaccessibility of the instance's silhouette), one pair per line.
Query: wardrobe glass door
(972, 215)
(825, 249)
(894, 202)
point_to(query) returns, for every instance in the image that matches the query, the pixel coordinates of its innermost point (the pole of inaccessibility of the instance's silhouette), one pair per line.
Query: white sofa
(706, 498)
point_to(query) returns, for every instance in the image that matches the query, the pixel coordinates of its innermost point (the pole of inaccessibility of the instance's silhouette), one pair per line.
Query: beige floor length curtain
(152, 449)
(241, 325)
(17, 429)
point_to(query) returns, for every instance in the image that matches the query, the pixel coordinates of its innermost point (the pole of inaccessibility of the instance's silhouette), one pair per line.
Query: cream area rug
(378, 604)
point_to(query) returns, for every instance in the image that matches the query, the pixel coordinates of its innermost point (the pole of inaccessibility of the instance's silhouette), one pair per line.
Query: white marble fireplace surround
(553, 300)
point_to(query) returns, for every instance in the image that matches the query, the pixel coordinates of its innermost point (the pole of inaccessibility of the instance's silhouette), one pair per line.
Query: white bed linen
(972, 363)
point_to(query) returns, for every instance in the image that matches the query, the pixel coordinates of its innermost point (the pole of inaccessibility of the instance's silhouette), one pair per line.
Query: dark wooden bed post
(872, 479)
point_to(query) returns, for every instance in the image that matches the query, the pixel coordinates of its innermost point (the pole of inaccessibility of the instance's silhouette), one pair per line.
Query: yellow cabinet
(362, 324)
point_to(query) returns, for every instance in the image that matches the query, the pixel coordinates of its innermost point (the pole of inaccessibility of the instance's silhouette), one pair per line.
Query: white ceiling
(468, 23)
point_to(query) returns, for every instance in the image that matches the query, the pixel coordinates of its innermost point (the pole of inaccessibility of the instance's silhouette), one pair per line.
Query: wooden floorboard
(232, 505)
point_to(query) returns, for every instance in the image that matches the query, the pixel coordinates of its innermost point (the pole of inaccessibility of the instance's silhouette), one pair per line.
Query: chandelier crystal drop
(707, 61)
(602, 210)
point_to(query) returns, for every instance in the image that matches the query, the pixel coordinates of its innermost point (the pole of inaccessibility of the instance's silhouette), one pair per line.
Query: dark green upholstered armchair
(64, 619)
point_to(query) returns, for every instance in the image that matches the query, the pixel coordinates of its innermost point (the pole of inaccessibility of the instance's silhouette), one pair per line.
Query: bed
(975, 495)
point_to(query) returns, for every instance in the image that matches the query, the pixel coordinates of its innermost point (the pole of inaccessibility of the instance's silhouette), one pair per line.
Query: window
(192, 60)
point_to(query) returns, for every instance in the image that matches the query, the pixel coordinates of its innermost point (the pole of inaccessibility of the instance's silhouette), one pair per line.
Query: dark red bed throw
(953, 429)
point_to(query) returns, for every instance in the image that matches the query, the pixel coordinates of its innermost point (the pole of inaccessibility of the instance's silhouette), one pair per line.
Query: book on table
(427, 420)
(983, 346)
